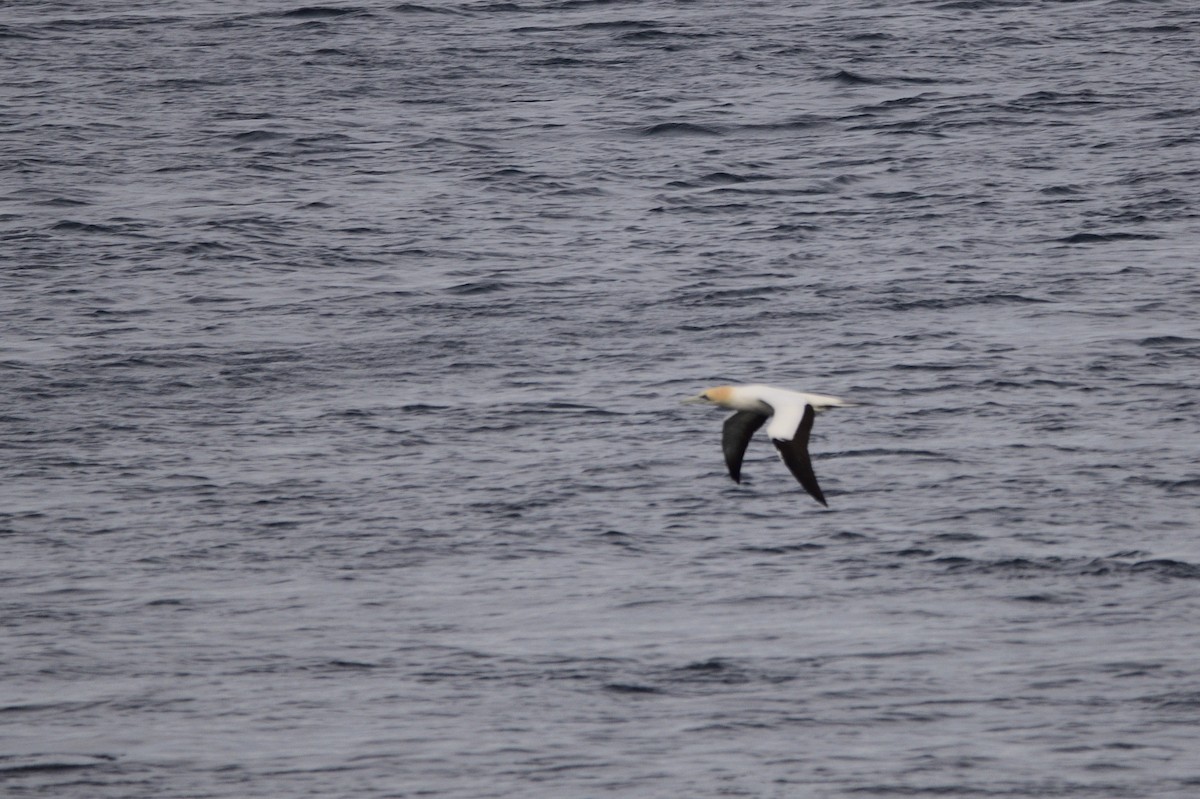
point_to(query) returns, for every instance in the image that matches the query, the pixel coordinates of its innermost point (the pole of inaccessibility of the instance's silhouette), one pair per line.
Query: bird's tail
(821, 402)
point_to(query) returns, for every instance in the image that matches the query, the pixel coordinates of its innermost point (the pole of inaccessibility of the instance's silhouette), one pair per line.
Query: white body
(786, 407)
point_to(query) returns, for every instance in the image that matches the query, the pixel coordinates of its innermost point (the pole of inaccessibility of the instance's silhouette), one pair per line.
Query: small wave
(907, 453)
(899, 102)
(717, 179)
(1040, 98)
(478, 287)
(1165, 567)
(1085, 567)
(725, 178)
(414, 8)
(902, 195)
(70, 225)
(679, 129)
(320, 12)
(560, 61)
(8, 32)
(913, 552)
(1185, 700)
(782, 549)
(341, 665)
(1168, 341)
(734, 298)
(567, 4)
(617, 24)
(943, 303)
(631, 688)
(1061, 191)
(1097, 238)
(62, 202)
(209, 299)
(1012, 565)
(650, 34)
(50, 763)
(1158, 28)
(255, 135)
(1187, 485)
(979, 5)
(804, 122)
(1172, 113)
(778, 191)
(713, 670)
(848, 78)
(1042, 599)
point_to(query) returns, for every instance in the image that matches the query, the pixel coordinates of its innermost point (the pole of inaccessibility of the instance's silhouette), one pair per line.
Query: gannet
(791, 414)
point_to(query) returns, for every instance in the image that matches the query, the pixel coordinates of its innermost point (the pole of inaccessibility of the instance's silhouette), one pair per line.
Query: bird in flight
(791, 414)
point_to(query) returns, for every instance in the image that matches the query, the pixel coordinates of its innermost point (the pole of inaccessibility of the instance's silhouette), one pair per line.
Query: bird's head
(720, 395)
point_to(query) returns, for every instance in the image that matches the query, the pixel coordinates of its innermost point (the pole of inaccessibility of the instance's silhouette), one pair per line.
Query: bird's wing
(794, 452)
(735, 437)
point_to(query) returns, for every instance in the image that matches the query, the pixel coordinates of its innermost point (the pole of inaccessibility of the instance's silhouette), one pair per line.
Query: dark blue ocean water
(341, 347)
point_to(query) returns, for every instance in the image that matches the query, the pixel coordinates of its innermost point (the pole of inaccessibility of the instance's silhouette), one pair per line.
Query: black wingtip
(795, 455)
(735, 436)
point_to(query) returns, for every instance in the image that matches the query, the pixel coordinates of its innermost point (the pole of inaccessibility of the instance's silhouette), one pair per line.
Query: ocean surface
(342, 349)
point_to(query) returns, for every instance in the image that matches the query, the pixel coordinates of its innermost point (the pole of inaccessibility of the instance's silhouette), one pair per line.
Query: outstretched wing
(795, 455)
(735, 437)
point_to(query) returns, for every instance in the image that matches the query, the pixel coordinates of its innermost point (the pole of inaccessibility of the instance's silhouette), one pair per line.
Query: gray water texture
(342, 350)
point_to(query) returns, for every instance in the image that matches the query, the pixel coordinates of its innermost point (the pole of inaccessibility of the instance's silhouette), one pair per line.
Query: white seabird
(791, 414)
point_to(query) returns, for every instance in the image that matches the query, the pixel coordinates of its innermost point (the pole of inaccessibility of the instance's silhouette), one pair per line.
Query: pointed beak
(696, 400)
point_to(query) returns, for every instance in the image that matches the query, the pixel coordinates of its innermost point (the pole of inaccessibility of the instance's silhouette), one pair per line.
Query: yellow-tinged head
(721, 395)
(718, 395)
